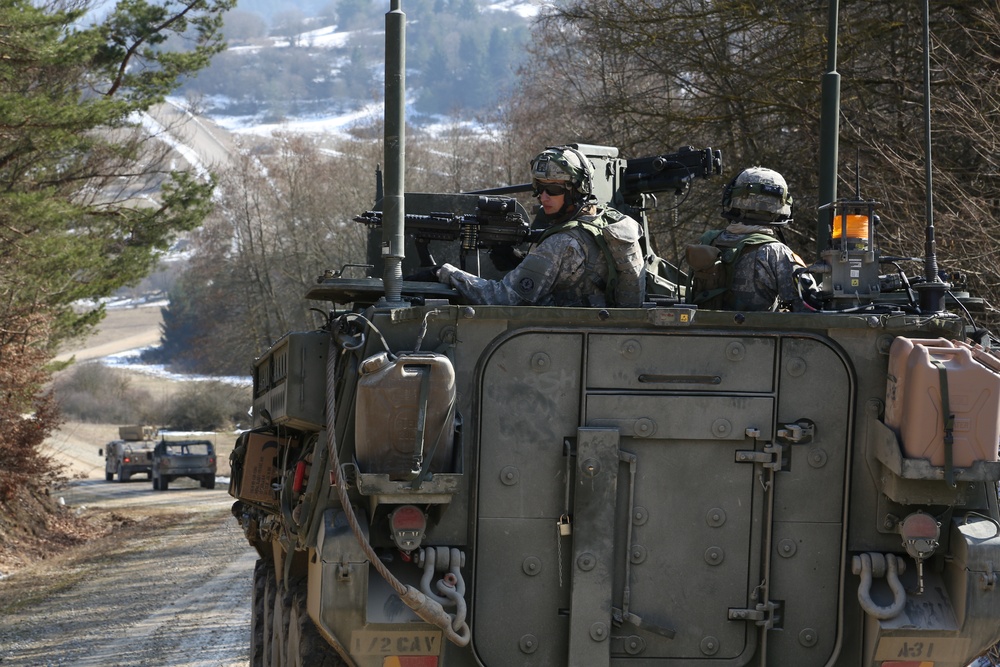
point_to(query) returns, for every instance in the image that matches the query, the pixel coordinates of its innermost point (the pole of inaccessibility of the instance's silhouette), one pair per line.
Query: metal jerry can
(405, 414)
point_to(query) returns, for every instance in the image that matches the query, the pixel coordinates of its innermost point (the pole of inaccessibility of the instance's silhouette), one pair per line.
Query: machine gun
(625, 184)
(670, 171)
(497, 223)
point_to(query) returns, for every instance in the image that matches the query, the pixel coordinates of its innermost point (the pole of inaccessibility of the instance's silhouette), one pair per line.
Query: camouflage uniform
(565, 269)
(764, 275)
(575, 263)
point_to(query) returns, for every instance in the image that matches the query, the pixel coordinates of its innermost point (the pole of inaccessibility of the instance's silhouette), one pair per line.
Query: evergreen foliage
(86, 200)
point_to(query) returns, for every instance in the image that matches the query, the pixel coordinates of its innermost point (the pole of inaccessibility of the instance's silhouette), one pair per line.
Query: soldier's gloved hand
(426, 274)
(506, 258)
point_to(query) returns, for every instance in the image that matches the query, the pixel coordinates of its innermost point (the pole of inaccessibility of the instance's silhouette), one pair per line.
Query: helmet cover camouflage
(757, 195)
(563, 164)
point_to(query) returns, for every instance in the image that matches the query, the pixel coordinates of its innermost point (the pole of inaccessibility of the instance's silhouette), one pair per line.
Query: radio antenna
(933, 289)
(857, 173)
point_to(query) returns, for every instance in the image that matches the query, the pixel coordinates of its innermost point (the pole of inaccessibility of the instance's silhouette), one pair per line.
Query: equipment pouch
(622, 238)
(708, 275)
(702, 257)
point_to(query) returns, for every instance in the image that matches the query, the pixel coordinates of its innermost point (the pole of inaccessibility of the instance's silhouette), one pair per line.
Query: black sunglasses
(551, 189)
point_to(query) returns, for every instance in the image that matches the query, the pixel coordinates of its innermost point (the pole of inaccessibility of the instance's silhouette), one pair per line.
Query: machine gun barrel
(495, 223)
(432, 227)
(642, 176)
(670, 171)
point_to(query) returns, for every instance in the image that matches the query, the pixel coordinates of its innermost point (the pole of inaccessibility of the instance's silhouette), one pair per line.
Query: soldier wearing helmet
(569, 266)
(747, 265)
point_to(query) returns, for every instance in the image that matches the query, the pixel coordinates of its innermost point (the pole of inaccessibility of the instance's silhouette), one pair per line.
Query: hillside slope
(33, 525)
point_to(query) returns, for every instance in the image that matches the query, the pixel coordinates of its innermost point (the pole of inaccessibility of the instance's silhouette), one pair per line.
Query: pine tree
(86, 199)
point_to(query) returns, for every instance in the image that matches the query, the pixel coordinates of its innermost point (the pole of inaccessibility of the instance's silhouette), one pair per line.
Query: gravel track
(172, 589)
(171, 586)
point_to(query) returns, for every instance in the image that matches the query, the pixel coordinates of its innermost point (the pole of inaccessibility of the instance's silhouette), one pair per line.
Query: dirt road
(169, 587)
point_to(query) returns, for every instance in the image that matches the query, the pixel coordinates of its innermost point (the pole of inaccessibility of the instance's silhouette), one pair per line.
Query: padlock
(564, 527)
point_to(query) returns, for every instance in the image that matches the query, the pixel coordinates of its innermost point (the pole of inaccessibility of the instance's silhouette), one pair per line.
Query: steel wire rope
(425, 607)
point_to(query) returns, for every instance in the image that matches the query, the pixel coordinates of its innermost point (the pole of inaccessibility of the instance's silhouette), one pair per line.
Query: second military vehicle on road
(132, 453)
(184, 458)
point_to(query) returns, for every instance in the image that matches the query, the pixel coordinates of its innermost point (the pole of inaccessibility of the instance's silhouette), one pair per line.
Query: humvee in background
(132, 453)
(183, 458)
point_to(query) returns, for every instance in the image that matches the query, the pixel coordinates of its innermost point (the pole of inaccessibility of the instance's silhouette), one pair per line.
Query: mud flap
(594, 507)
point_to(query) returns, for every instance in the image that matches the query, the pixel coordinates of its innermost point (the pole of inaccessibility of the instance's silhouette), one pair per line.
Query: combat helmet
(563, 164)
(757, 195)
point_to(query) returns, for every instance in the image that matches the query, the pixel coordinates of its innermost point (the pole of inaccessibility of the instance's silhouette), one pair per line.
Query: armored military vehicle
(132, 453)
(173, 459)
(437, 483)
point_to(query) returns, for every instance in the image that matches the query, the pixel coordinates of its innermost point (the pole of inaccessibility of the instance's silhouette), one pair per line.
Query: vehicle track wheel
(267, 618)
(280, 614)
(109, 476)
(260, 631)
(306, 648)
(121, 477)
(164, 483)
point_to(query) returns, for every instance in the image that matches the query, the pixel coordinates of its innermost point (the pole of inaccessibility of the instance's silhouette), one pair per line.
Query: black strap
(949, 425)
(418, 446)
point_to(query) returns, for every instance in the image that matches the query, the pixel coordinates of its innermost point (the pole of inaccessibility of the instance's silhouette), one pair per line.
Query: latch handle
(799, 432)
(619, 617)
